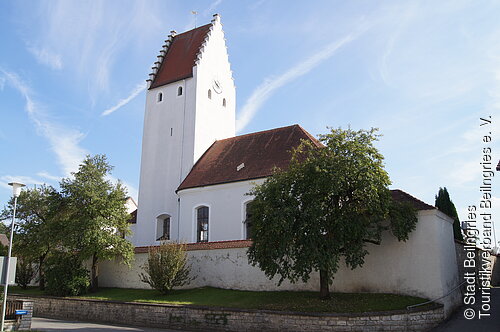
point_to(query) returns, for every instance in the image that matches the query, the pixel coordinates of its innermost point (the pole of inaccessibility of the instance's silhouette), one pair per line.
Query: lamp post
(16, 191)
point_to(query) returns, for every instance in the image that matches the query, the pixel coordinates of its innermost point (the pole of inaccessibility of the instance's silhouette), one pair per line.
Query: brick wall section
(23, 322)
(221, 319)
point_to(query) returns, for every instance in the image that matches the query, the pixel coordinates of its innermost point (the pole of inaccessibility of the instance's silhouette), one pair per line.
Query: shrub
(24, 272)
(65, 275)
(166, 267)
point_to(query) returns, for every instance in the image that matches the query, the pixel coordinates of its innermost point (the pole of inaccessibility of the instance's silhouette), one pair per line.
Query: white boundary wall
(424, 266)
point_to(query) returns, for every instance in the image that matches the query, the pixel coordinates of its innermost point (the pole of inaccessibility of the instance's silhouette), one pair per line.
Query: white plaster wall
(226, 203)
(178, 130)
(423, 266)
(162, 162)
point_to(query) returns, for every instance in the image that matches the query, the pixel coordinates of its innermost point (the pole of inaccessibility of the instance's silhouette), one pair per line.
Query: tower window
(179, 91)
(224, 102)
(163, 227)
(160, 96)
(209, 94)
(202, 224)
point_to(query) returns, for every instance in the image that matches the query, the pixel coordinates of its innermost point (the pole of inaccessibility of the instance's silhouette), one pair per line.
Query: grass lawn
(285, 301)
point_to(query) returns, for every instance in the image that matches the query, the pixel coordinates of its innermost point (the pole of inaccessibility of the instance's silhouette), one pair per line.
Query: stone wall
(22, 322)
(222, 319)
(424, 266)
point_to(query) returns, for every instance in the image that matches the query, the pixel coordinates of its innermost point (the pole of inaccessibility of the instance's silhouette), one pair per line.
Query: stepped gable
(246, 157)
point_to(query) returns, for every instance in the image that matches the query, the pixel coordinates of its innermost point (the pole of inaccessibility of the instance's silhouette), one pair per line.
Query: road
(48, 325)
(458, 323)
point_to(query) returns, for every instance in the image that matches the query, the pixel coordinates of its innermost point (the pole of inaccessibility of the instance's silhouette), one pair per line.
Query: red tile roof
(401, 196)
(181, 56)
(133, 217)
(207, 245)
(259, 153)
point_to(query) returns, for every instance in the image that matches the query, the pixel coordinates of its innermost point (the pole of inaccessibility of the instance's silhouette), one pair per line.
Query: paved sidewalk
(458, 323)
(48, 324)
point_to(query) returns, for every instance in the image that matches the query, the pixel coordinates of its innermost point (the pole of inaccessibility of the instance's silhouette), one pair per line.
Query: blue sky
(72, 79)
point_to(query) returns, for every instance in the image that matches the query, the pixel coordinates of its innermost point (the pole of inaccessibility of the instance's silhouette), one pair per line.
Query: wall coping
(230, 244)
(430, 307)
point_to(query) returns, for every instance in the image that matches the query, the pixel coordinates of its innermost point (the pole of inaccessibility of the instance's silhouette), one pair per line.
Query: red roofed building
(195, 172)
(196, 175)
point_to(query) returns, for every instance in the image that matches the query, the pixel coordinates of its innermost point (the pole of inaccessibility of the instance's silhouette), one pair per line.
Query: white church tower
(190, 103)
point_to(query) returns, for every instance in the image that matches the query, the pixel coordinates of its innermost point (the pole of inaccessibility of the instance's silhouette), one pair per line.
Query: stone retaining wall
(196, 318)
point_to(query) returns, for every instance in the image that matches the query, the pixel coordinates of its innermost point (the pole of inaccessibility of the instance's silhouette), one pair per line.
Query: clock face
(217, 86)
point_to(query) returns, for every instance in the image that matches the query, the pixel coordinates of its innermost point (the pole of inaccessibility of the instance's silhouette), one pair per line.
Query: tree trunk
(94, 282)
(324, 291)
(41, 275)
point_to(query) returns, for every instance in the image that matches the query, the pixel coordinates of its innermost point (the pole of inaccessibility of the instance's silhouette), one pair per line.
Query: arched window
(202, 224)
(209, 94)
(163, 227)
(179, 91)
(224, 102)
(160, 96)
(248, 220)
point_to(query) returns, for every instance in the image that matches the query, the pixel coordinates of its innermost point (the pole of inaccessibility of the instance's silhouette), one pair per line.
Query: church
(196, 173)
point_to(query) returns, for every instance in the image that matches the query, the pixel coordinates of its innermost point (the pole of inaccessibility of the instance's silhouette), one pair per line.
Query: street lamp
(16, 191)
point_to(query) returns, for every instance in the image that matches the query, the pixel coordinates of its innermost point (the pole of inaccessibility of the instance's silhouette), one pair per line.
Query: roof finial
(195, 13)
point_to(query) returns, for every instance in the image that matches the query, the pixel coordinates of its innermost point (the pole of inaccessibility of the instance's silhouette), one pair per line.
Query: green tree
(445, 204)
(97, 219)
(39, 213)
(65, 274)
(326, 206)
(166, 267)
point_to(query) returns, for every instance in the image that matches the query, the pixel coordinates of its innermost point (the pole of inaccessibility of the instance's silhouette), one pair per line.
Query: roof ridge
(413, 197)
(200, 27)
(257, 132)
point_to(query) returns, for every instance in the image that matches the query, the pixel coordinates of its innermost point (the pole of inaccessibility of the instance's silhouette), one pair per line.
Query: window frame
(164, 219)
(202, 220)
(246, 223)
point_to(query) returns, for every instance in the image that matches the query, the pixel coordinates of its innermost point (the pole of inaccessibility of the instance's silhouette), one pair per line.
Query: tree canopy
(86, 219)
(445, 204)
(97, 219)
(39, 213)
(326, 206)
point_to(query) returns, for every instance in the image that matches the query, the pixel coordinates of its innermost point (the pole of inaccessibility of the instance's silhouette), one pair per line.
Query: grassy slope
(292, 301)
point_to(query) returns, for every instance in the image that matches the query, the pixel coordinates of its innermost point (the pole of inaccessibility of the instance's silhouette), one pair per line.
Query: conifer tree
(445, 205)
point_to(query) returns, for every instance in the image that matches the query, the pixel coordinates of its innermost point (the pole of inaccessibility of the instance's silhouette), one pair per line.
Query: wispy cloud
(122, 102)
(99, 33)
(266, 89)
(211, 9)
(46, 57)
(48, 176)
(27, 180)
(64, 141)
